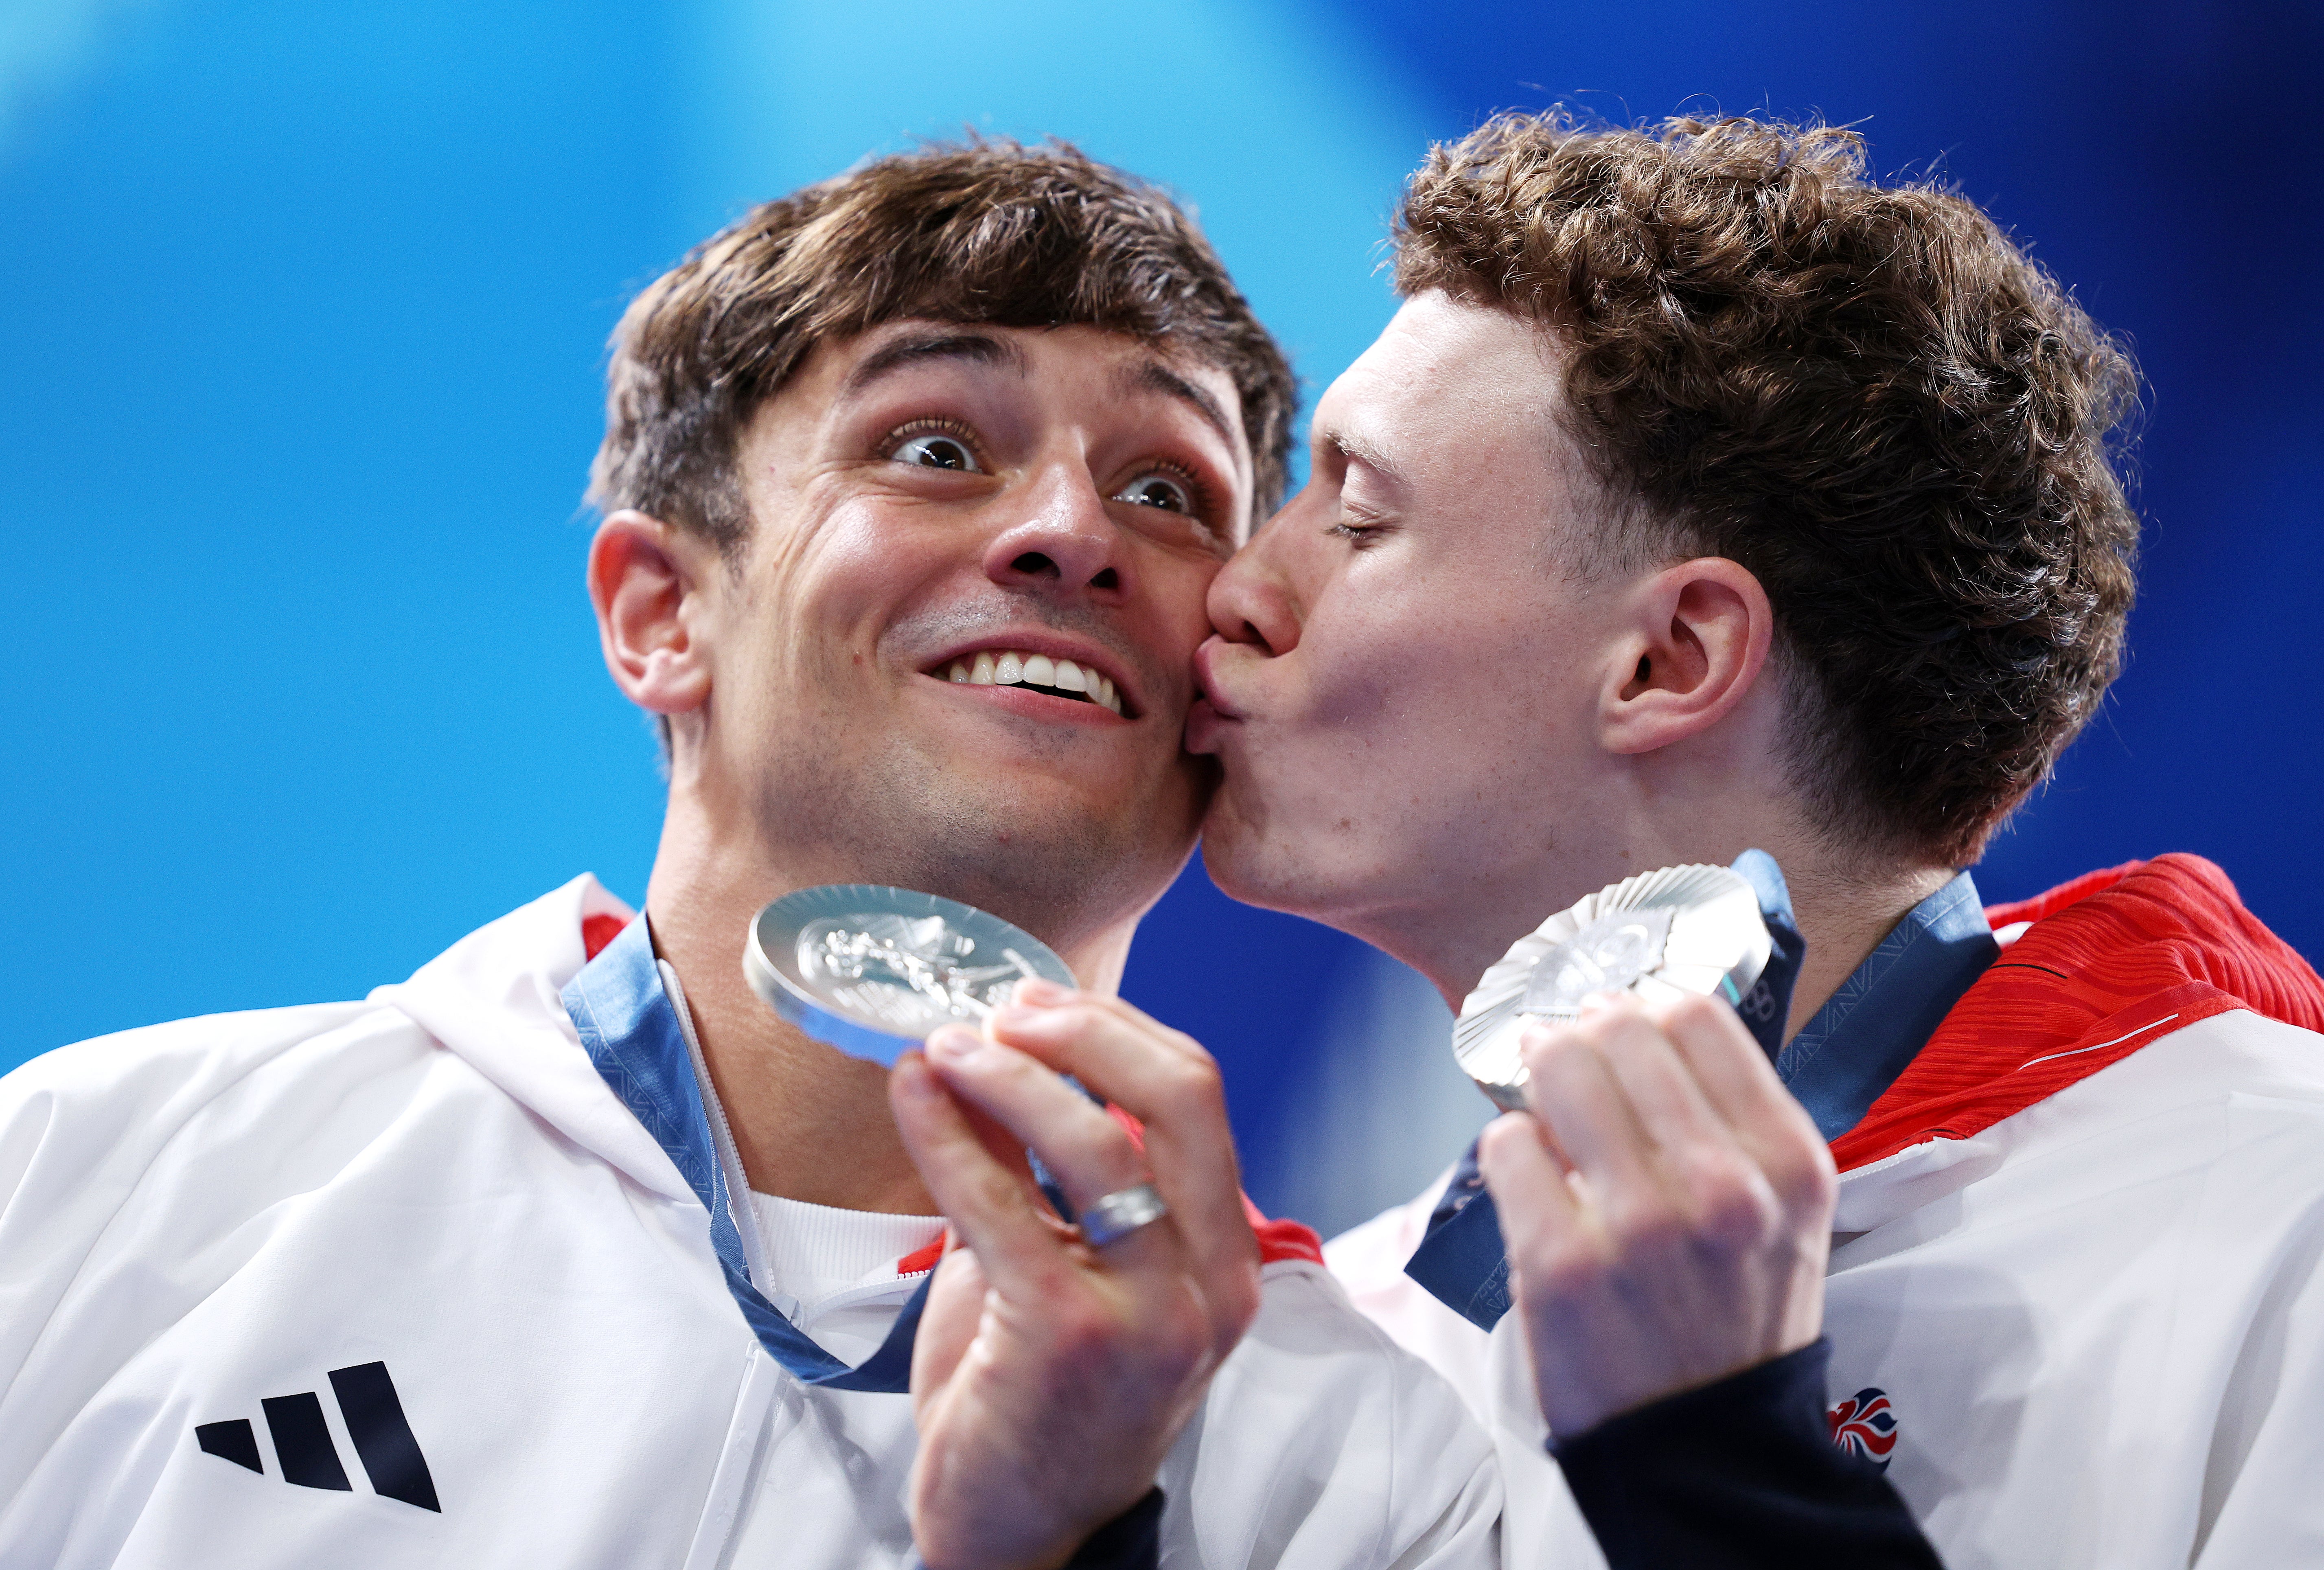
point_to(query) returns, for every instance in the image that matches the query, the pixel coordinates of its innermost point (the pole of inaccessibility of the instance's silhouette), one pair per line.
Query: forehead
(1462, 392)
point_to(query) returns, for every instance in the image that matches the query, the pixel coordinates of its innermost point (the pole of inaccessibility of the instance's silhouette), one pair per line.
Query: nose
(1066, 543)
(1250, 601)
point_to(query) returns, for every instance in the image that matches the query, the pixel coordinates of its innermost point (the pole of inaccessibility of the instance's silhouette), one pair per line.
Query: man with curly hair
(1705, 498)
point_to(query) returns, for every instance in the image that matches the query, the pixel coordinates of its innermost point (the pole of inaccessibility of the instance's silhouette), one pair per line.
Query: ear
(1698, 638)
(645, 581)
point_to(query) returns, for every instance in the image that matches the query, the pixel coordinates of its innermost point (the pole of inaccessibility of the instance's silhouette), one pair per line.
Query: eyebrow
(915, 349)
(1153, 376)
(1348, 443)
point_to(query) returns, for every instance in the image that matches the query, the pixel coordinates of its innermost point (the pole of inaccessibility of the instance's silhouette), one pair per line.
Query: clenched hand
(1667, 1206)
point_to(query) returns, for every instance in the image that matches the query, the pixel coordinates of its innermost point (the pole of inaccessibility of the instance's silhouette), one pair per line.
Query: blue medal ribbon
(630, 1032)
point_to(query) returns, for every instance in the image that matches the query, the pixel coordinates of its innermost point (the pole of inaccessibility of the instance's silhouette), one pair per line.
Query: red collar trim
(596, 931)
(2113, 960)
(926, 1259)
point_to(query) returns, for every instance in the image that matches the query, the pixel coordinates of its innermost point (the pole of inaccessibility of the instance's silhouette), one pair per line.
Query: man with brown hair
(1706, 498)
(568, 1248)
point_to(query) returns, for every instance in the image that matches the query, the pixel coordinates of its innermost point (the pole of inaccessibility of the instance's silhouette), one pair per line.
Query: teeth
(1010, 668)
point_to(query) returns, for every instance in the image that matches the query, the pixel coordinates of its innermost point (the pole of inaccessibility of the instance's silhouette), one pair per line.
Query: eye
(1360, 535)
(1161, 490)
(934, 449)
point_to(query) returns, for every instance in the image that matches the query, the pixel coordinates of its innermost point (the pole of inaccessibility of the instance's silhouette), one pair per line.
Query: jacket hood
(2092, 971)
(493, 999)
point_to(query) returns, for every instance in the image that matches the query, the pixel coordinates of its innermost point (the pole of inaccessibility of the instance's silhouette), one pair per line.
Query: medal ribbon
(630, 1032)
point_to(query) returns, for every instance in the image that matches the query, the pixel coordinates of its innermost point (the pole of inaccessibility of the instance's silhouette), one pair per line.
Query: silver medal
(1693, 929)
(872, 970)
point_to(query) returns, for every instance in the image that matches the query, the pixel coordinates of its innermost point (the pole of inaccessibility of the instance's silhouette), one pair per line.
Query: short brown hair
(985, 232)
(1870, 397)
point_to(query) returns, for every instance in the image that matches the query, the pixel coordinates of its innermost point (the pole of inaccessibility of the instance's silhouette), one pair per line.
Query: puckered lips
(1041, 665)
(1212, 710)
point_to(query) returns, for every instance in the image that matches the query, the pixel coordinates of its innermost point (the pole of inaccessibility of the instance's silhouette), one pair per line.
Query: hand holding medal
(1665, 1205)
(1095, 1340)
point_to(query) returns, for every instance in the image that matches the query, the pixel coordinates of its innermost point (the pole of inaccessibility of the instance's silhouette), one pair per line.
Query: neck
(811, 1123)
(1844, 917)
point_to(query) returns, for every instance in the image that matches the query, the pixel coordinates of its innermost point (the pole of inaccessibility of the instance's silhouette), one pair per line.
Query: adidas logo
(383, 1441)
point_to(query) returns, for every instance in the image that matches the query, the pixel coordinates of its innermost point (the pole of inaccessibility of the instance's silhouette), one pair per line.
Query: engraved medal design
(1661, 935)
(872, 970)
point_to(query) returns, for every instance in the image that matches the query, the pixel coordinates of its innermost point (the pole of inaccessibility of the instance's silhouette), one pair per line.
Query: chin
(1062, 872)
(1261, 869)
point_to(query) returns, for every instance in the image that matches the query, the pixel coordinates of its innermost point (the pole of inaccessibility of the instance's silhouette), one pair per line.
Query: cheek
(849, 567)
(1380, 668)
(1180, 589)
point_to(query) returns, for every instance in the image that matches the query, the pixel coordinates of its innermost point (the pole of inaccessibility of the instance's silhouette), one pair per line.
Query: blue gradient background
(305, 309)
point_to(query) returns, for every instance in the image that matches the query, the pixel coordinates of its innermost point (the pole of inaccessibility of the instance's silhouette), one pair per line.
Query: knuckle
(994, 1191)
(1623, 1012)
(1739, 1216)
(1193, 1087)
(1810, 1185)
(1563, 1270)
(1001, 1063)
(1698, 1013)
(1653, 1230)
(1093, 1158)
(1733, 1203)
(1546, 1052)
(1499, 1141)
(1080, 1336)
(1193, 1049)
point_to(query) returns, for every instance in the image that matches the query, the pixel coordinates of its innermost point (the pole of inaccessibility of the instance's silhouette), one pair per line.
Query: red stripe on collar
(926, 1259)
(596, 931)
(2114, 960)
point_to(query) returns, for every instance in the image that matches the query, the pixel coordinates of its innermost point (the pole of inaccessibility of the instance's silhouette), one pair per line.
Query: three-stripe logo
(383, 1438)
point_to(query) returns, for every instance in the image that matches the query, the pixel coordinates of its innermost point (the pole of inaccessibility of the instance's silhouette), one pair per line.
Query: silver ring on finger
(1110, 1217)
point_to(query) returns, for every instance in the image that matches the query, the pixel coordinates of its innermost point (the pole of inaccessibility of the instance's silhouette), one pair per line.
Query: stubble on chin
(908, 821)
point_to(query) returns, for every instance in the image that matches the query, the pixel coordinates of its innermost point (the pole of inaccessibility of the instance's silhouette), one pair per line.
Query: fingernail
(1014, 1017)
(955, 1044)
(1040, 989)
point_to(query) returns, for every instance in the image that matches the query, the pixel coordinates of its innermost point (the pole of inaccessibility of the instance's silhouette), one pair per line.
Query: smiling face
(954, 651)
(1406, 692)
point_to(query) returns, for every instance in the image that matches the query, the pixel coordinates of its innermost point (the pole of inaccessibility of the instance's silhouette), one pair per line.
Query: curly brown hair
(987, 231)
(1870, 397)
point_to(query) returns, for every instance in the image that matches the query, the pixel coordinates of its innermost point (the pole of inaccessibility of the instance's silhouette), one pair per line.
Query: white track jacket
(402, 1282)
(2075, 1299)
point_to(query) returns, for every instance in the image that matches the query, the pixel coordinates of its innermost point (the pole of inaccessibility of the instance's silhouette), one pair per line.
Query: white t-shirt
(834, 1273)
